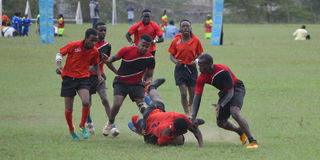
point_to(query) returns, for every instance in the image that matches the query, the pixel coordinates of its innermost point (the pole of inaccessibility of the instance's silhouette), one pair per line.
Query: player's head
(171, 22)
(144, 43)
(303, 26)
(146, 15)
(185, 27)
(180, 126)
(164, 12)
(205, 63)
(101, 29)
(90, 39)
(60, 15)
(208, 16)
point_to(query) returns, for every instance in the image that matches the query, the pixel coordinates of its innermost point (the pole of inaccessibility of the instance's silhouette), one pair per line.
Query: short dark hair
(146, 37)
(99, 24)
(185, 20)
(180, 125)
(146, 10)
(91, 31)
(303, 26)
(171, 22)
(207, 58)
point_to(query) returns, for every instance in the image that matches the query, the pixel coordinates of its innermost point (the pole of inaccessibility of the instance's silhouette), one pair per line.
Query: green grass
(282, 102)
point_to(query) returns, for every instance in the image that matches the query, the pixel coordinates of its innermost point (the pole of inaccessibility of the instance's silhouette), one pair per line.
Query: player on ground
(184, 49)
(231, 95)
(104, 48)
(146, 26)
(137, 62)
(160, 127)
(75, 77)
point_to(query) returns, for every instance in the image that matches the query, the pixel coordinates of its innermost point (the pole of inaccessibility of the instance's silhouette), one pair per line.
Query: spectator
(26, 22)
(301, 33)
(130, 15)
(171, 30)
(60, 25)
(8, 31)
(5, 19)
(94, 12)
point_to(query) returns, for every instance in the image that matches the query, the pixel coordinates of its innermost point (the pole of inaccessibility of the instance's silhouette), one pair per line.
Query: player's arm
(195, 105)
(158, 40)
(228, 91)
(128, 36)
(109, 61)
(58, 62)
(174, 60)
(197, 133)
(97, 68)
(148, 76)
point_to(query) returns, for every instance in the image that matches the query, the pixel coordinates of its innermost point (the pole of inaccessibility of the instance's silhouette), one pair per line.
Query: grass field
(282, 78)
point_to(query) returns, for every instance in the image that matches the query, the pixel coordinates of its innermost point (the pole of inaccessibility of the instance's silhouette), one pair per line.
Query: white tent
(79, 19)
(27, 10)
(114, 12)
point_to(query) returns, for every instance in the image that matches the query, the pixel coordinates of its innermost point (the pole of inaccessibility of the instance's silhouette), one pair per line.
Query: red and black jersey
(103, 48)
(158, 121)
(222, 78)
(134, 65)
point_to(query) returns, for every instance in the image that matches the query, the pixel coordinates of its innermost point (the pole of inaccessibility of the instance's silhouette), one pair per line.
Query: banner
(46, 21)
(217, 21)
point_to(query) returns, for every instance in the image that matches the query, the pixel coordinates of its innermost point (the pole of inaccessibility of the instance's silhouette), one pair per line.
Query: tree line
(235, 11)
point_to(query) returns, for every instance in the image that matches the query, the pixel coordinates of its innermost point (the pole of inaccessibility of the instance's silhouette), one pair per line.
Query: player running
(146, 26)
(75, 77)
(231, 95)
(104, 48)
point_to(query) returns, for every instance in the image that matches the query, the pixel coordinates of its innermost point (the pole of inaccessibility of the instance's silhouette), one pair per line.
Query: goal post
(217, 18)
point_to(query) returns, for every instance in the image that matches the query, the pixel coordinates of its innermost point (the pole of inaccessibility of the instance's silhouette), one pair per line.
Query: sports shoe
(75, 136)
(200, 121)
(114, 131)
(110, 128)
(90, 128)
(132, 128)
(253, 144)
(243, 139)
(156, 83)
(84, 132)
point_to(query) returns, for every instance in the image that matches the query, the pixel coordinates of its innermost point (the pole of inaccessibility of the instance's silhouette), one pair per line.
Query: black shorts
(236, 100)
(135, 90)
(70, 86)
(186, 74)
(95, 86)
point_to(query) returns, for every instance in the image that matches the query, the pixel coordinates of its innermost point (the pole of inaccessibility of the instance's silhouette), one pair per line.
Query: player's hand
(92, 69)
(178, 62)
(59, 70)
(146, 83)
(104, 58)
(217, 109)
(132, 44)
(100, 79)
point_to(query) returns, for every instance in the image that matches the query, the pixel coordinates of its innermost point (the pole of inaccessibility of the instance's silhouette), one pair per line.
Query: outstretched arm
(197, 133)
(109, 61)
(195, 105)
